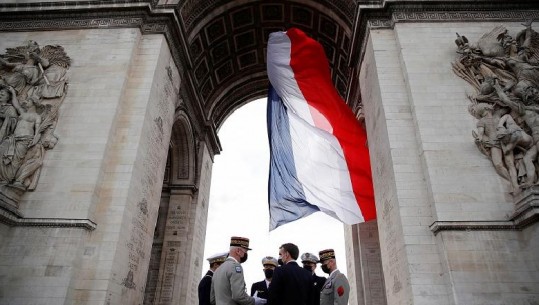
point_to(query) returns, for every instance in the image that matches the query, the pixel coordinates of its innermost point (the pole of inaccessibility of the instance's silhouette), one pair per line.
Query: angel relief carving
(504, 71)
(33, 85)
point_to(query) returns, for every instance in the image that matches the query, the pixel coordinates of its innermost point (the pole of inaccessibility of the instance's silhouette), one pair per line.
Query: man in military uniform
(336, 288)
(261, 288)
(228, 283)
(309, 262)
(204, 287)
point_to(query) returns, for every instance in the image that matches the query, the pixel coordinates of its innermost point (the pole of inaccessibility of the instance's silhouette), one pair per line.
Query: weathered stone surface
(151, 79)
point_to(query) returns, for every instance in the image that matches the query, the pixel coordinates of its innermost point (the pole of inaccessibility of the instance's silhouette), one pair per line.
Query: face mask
(325, 268)
(243, 259)
(280, 261)
(307, 267)
(268, 273)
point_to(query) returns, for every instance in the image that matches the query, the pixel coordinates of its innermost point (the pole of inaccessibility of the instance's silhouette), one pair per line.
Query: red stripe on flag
(312, 74)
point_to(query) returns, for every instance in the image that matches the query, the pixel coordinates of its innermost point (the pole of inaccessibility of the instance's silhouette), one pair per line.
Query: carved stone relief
(504, 71)
(33, 85)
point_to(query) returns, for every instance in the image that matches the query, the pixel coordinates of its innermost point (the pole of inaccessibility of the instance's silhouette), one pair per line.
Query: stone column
(445, 217)
(365, 267)
(183, 245)
(107, 168)
(176, 249)
(411, 263)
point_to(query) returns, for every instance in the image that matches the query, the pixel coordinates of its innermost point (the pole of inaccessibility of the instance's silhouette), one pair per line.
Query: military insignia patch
(328, 286)
(340, 291)
(238, 269)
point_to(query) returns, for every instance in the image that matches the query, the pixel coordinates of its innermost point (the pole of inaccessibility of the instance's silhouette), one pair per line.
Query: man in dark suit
(291, 284)
(309, 262)
(204, 287)
(261, 288)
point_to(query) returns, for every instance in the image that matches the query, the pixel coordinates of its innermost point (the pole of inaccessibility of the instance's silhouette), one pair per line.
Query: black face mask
(280, 261)
(325, 268)
(268, 273)
(307, 267)
(243, 259)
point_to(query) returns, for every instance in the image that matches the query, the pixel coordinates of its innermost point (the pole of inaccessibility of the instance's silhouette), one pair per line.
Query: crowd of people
(285, 282)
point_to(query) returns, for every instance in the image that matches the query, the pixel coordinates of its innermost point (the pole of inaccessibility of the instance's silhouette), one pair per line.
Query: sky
(238, 204)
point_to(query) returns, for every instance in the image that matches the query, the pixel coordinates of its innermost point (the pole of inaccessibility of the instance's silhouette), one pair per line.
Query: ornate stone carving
(504, 71)
(33, 85)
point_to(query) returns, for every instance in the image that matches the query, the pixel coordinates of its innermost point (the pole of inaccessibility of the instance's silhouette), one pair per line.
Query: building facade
(109, 115)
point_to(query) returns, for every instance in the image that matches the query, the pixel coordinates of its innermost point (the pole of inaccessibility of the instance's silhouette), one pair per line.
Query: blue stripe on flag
(285, 192)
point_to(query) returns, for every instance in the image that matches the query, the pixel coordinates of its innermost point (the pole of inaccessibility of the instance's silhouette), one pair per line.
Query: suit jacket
(336, 290)
(228, 285)
(290, 285)
(261, 288)
(204, 289)
(318, 283)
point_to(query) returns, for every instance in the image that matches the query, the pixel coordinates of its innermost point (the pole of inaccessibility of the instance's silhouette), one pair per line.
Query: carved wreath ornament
(504, 72)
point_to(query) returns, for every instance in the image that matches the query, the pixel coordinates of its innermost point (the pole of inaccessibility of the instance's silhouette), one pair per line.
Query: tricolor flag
(319, 160)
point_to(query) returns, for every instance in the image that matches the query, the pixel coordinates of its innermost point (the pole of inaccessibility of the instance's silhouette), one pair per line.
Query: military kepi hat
(217, 258)
(243, 242)
(269, 260)
(326, 254)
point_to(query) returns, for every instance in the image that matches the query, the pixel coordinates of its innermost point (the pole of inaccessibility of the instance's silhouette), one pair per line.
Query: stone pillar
(118, 253)
(408, 248)
(184, 234)
(446, 219)
(106, 170)
(365, 267)
(176, 250)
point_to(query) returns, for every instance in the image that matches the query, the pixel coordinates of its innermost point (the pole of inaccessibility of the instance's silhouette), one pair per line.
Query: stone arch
(226, 43)
(182, 152)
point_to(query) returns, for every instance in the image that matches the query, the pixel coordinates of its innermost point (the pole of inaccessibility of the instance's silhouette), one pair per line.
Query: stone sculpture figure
(8, 113)
(531, 117)
(33, 85)
(21, 75)
(13, 148)
(511, 138)
(486, 136)
(505, 74)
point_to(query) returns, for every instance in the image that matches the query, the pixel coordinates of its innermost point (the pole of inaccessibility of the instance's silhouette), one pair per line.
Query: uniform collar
(336, 271)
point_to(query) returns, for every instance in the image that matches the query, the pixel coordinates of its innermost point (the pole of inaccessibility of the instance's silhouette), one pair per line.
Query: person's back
(220, 282)
(291, 284)
(229, 274)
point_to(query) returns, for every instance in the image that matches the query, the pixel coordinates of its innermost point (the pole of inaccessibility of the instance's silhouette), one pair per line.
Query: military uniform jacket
(336, 290)
(204, 289)
(318, 283)
(228, 285)
(261, 288)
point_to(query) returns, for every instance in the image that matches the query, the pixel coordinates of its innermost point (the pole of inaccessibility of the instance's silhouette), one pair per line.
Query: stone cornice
(525, 214)
(11, 219)
(384, 14)
(117, 14)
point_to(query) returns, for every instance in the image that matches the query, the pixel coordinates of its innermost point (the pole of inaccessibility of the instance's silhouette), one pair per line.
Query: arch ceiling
(219, 45)
(226, 45)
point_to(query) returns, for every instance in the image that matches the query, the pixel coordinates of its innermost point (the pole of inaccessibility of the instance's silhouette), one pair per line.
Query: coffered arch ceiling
(226, 44)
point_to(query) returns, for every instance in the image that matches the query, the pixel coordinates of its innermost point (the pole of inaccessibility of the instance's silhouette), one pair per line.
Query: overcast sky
(238, 200)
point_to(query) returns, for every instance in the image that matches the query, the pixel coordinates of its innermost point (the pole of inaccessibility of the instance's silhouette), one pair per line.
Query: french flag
(319, 160)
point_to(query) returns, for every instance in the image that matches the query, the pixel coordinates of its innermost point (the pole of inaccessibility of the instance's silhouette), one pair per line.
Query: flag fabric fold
(319, 160)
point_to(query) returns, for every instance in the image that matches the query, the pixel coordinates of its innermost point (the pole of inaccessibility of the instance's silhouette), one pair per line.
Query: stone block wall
(427, 168)
(108, 167)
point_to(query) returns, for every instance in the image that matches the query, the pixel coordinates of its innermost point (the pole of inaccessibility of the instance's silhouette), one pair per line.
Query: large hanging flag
(319, 160)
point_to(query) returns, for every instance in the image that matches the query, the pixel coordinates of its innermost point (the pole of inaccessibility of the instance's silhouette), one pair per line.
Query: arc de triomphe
(108, 136)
